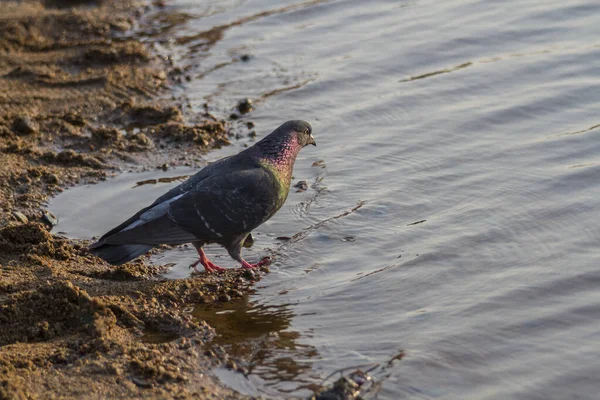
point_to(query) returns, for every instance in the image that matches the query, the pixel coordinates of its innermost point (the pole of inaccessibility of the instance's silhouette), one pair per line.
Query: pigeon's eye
(307, 131)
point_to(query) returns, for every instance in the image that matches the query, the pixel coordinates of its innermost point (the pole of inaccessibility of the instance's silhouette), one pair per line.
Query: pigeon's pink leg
(208, 266)
(264, 261)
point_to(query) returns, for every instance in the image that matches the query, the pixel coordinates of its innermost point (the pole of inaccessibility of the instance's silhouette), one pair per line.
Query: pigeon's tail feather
(118, 254)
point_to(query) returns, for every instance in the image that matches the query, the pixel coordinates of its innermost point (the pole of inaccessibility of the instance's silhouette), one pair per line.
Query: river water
(464, 139)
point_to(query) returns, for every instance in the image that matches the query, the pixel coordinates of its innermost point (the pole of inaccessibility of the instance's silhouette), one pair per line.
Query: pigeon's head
(283, 144)
(297, 131)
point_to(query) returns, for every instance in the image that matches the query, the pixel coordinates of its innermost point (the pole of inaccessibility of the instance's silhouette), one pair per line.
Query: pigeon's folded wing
(161, 230)
(217, 207)
(228, 204)
(158, 204)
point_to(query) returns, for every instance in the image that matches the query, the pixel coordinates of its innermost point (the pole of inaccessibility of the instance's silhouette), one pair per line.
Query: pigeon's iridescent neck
(281, 161)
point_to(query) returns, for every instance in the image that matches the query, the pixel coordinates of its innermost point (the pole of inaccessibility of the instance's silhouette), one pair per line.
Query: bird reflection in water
(257, 337)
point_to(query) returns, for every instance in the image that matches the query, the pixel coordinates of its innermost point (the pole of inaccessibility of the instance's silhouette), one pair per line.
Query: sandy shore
(73, 81)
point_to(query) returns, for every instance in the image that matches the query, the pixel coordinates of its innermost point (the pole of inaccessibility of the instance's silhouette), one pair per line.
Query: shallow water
(91, 210)
(477, 119)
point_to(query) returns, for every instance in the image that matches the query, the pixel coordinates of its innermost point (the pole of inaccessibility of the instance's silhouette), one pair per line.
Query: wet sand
(81, 98)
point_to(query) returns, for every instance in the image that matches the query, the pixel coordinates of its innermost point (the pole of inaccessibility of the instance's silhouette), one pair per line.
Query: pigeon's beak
(312, 140)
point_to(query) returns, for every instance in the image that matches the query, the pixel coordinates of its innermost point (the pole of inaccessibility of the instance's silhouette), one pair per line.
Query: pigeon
(222, 203)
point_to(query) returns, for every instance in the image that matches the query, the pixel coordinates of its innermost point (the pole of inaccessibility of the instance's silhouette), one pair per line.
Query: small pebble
(210, 353)
(245, 57)
(49, 219)
(52, 179)
(301, 186)
(250, 124)
(25, 125)
(245, 106)
(231, 365)
(141, 383)
(19, 216)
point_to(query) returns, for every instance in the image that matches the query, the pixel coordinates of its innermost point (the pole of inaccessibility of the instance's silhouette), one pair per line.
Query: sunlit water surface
(469, 131)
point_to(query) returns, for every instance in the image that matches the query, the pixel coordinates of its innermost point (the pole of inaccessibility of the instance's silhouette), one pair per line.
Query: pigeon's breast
(282, 177)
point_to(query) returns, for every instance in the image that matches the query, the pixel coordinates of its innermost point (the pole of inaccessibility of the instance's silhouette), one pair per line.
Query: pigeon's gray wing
(218, 207)
(154, 210)
(230, 204)
(151, 227)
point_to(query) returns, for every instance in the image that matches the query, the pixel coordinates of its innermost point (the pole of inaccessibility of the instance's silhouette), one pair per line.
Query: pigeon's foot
(264, 261)
(209, 267)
